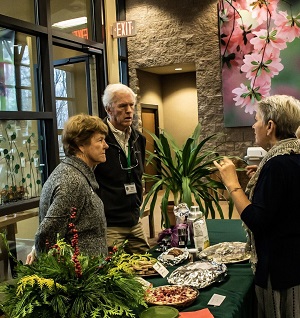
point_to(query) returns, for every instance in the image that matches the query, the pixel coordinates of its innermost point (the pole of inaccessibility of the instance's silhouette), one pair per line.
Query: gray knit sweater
(72, 184)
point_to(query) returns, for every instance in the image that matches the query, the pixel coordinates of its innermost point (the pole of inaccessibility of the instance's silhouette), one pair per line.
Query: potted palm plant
(187, 172)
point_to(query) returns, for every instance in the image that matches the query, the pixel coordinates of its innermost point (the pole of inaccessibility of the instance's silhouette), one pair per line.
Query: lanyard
(128, 157)
(129, 161)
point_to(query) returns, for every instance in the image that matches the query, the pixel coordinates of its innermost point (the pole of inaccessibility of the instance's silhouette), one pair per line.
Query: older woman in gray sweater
(72, 184)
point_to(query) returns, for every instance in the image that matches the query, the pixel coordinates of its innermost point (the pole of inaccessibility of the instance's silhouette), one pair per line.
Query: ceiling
(170, 69)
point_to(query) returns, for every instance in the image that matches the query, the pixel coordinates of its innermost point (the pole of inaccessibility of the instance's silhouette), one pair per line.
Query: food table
(238, 286)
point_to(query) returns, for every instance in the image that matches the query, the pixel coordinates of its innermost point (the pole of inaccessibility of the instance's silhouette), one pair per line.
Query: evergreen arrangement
(62, 282)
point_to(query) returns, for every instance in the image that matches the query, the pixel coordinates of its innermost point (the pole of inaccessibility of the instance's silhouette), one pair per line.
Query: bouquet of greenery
(62, 282)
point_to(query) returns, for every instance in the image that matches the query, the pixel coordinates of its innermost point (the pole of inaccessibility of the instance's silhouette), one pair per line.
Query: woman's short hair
(112, 91)
(78, 131)
(298, 132)
(284, 111)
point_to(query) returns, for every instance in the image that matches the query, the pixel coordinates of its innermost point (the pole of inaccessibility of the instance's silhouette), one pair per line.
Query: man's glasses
(131, 166)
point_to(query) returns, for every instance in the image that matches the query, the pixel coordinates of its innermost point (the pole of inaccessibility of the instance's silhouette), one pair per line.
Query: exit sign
(123, 29)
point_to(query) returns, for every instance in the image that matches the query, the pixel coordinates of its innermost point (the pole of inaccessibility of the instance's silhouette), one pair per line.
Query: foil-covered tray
(198, 274)
(226, 252)
(173, 256)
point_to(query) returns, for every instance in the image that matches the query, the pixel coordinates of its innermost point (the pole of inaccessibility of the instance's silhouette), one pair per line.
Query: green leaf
(185, 172)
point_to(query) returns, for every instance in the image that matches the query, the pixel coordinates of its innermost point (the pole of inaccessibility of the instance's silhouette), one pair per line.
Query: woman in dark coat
(270, 208)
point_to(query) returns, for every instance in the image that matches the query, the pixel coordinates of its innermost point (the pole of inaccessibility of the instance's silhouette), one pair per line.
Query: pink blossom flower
(248, 96)
(268, 38)
(266, 66)
(242, 4)
(227, 13)
(262, 10)
(289, 26)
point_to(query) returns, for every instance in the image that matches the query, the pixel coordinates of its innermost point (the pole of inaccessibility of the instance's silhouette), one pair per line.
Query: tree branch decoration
(252, 35)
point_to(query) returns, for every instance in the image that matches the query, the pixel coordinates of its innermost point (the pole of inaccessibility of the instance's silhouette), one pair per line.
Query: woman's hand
(230, 179)
(228, 173)
(250, 170)
(30, 257)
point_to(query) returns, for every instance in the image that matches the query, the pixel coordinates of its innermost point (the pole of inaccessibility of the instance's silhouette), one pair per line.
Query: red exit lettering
(122, 29)
(83, 33)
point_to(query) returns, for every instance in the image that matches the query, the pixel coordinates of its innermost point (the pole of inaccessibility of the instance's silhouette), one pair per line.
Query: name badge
(130, 188)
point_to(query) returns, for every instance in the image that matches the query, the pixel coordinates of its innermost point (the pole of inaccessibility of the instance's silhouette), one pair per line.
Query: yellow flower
(34, 279)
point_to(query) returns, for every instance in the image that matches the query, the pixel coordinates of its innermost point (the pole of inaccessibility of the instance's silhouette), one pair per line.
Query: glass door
(75, 90)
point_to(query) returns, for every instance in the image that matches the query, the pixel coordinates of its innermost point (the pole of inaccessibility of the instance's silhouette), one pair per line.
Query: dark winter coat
(121, 210)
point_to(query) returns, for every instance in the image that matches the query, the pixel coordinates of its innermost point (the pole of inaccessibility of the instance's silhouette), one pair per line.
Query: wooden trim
(19, 206)
(25, 115)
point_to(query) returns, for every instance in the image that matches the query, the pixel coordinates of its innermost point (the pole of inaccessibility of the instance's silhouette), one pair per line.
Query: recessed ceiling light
(70, 23)
(178, 69)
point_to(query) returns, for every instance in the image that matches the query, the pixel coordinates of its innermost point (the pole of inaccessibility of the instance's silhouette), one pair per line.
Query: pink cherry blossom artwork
(259, 45)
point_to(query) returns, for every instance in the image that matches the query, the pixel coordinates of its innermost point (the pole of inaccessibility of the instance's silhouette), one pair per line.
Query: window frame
(46, 38)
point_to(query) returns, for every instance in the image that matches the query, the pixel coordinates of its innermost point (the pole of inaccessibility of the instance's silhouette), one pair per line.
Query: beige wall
(176, 98)
(111, 43)
(26, 229)
(151, 93)
(180, 105)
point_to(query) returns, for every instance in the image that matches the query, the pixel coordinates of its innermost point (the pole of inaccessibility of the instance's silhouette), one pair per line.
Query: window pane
(62, 112)
(23, 10)
(72, 18)
(71, 82)
(26, 99)
(20, 160)
(25, 76)
(18, 71)
(60, 80)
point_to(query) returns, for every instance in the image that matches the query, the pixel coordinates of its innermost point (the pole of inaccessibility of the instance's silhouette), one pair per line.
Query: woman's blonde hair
(78, 131)
(284, 111)
(298, 132)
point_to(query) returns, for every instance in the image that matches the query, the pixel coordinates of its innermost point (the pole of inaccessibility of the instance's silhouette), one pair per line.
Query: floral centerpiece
(62, 282)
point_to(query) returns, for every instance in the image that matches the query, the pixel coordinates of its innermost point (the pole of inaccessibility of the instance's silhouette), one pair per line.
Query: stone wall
(185, 31)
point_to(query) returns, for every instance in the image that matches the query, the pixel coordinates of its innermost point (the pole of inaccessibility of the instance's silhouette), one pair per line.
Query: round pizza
(174, 295)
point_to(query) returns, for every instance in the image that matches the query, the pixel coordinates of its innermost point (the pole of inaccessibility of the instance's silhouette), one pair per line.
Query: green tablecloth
(238, 286)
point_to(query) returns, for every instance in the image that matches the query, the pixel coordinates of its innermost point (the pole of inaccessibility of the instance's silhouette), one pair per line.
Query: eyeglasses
(131, 166)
